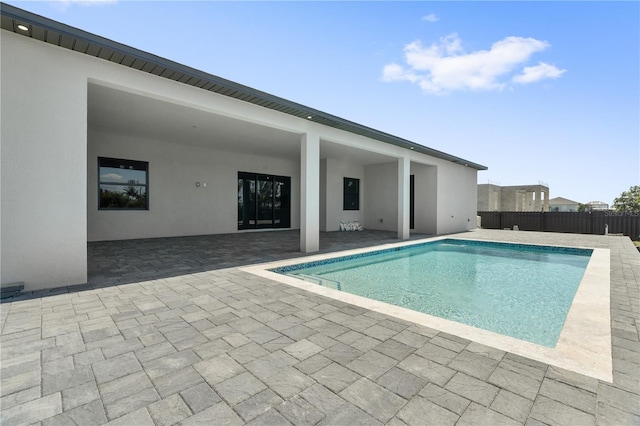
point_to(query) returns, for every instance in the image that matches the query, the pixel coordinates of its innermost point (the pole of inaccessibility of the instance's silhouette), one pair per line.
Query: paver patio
(185, 337)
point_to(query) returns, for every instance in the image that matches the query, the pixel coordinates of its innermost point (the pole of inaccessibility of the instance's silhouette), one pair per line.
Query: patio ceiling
(124, 113)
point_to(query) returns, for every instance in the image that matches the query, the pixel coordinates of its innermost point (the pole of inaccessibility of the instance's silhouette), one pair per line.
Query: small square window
(351, 200)
(123, 184)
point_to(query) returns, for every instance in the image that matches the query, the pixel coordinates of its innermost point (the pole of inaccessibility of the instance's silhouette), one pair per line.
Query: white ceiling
(131, 114)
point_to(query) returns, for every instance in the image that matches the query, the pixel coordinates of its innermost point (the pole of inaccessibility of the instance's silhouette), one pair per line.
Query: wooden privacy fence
(571, 222)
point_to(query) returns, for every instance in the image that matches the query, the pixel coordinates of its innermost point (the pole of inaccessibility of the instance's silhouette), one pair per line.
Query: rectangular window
(351, 200)
(123, 184)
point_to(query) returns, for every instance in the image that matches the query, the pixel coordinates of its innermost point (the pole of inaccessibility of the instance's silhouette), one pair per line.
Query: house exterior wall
(332, 179)
(559, 204)
(176, 206)
(597, 205)
(456, 198)
(380, 201)
(563, 207)
(489, 197)
(483, 198)
(49, 168)
(525, 198)
(43, 164)
(426, 200)
(513, 198)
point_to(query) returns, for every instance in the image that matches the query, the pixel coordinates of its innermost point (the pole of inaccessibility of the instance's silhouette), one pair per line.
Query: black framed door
(282, 202)
(264, 201)
(412, 201)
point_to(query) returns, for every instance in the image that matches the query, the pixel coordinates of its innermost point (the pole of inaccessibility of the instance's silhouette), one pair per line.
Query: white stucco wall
(445, 196)
(457, 198)
(336, 170)
(177, 206)
(426, 200)
(381, 198)
(43, 160)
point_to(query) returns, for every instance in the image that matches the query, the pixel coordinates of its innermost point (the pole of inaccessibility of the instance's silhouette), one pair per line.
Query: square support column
(310, 193)
(404, 170)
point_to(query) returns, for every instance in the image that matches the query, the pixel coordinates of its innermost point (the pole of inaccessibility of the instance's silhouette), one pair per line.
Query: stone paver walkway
(222, 346)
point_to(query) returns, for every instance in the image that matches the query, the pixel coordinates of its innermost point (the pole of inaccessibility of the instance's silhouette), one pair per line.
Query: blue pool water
(517, 290)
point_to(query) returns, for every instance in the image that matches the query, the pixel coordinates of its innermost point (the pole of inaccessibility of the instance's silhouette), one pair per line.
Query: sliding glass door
(282, 202)
(263, 201)
(264, 208)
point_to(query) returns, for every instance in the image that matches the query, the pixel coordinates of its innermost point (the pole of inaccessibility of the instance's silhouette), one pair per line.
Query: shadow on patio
(126, 261)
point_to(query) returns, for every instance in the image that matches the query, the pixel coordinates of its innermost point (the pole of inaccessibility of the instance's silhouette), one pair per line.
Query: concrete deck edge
(584, 345)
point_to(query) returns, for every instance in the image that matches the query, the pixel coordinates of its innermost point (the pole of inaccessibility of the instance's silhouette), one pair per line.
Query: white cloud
(444, 66)
(111, 176)
(432, 17)
(539, 72)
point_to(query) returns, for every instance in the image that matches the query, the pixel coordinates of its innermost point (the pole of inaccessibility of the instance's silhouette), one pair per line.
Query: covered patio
(126, 261)
(211, 172)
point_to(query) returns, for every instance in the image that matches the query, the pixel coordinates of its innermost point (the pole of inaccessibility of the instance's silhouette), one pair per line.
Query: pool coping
(584, 345)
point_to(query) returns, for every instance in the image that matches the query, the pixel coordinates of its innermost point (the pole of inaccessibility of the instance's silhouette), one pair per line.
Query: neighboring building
(520, 198)
(560, 204)
(101, 141)
(596, 205)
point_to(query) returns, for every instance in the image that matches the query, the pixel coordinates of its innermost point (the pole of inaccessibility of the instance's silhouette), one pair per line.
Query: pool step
(325, 282)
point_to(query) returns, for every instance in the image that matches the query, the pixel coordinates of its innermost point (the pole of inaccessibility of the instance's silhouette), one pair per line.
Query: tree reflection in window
(123, 184)
(263, 201)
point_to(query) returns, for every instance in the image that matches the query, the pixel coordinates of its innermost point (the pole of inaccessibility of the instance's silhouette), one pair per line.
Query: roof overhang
(65, 36)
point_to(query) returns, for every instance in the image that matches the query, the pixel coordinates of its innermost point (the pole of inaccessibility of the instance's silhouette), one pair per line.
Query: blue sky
(537, 91)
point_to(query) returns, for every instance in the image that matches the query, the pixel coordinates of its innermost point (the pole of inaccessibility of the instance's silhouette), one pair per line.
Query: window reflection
(122, 184)
(263, 201)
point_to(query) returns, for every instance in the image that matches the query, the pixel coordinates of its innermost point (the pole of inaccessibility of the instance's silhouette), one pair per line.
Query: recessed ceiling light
(22, 27)
(309, 117)
(411, 147)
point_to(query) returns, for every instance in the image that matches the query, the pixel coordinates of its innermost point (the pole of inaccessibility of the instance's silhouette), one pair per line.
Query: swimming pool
(584, 345)
(521, 291)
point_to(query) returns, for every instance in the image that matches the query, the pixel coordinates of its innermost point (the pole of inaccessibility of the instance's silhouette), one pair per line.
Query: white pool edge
(584, 345)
